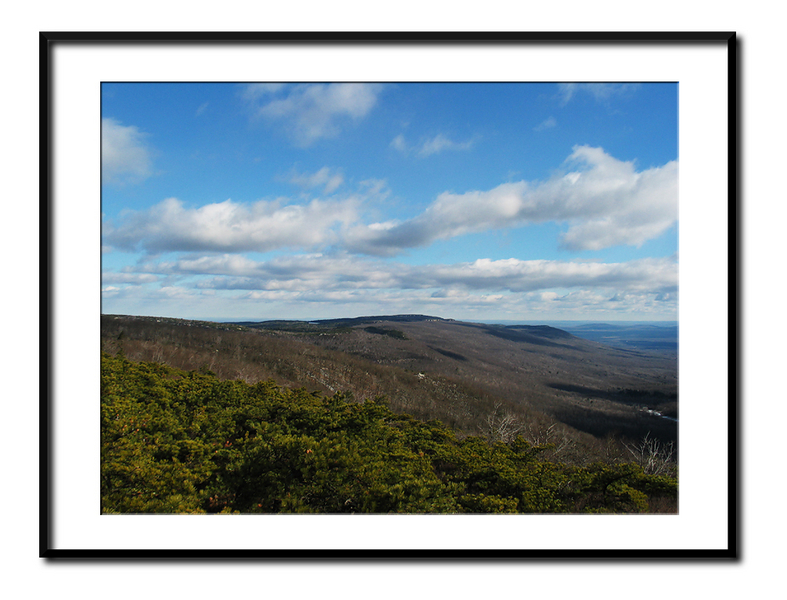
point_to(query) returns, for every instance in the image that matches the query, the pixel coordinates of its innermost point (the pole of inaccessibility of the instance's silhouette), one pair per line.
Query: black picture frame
(53, 290)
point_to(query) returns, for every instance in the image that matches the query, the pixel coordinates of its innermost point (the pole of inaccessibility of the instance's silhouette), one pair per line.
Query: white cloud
(429, 146)
(132, 278)
(326, 178)
(125, 156)
(376, 189)
(439, 143)
(374, 286)
(600, 92)
(605, 202)
(310, 272)
(231, 227)
(398, 143)
(256, 91)
(513, 275)
(311, 112)
(546, 124)
(302, 224)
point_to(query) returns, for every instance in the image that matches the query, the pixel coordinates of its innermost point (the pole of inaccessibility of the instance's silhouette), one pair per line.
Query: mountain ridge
(462, 373)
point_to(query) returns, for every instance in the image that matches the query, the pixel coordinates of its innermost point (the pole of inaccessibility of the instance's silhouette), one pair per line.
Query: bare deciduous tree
(503, 427)
(653, 456)
(552, 435)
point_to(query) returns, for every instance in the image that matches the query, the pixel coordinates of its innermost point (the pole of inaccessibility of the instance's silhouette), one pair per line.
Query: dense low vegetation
(176, 441)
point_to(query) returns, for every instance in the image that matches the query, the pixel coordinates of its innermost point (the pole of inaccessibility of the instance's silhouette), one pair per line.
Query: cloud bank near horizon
(510, 285)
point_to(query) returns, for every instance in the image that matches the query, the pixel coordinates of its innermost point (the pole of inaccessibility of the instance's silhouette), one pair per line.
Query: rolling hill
(542, 381)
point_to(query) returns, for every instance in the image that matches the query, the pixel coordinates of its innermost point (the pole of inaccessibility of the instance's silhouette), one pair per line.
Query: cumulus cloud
(605, 201)
(230, 227)
(125, 156)
(601, 200)
(311, 112)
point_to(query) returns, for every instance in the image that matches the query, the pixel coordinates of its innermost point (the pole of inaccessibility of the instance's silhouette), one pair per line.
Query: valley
(589, 399)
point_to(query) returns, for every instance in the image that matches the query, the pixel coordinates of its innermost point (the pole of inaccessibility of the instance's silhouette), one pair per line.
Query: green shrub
(186, 442)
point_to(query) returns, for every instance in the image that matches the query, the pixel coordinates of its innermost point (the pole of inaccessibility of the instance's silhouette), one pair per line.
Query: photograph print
(389, 298)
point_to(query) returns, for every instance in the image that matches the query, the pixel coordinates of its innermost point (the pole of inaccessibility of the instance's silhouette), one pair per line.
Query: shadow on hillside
(602, 424)
(536, 335)
(625, 396)
(449, 354)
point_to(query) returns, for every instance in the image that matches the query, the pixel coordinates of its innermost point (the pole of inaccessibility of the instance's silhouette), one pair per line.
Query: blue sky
(467, 201)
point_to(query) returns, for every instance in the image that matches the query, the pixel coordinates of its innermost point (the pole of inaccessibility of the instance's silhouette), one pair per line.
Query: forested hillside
(176, 441)
(587, 399)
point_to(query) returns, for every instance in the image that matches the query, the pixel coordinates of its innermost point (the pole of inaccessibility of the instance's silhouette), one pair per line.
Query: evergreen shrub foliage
(186, 442)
